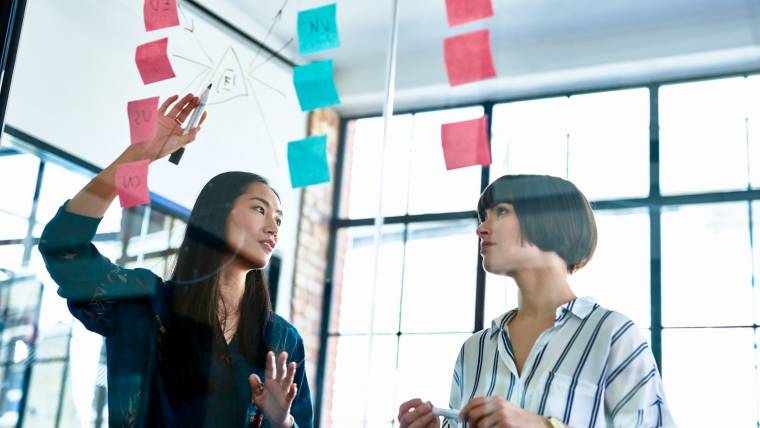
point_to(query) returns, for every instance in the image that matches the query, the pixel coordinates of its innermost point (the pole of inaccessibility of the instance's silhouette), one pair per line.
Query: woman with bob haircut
(190, 351)
(556, 360)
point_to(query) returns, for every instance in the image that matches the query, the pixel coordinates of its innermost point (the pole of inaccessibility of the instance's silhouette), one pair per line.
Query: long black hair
(194, 333)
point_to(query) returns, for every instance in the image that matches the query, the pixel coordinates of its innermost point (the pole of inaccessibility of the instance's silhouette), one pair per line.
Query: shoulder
(280, 334)
(616, 326)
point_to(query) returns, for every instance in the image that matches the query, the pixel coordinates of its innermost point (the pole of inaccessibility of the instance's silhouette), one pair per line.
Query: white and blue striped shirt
(593, 368)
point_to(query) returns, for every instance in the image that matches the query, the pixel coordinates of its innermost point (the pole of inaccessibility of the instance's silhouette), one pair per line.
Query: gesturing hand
(276, 394)
(417, 414)
(169, 130)
(496, 412)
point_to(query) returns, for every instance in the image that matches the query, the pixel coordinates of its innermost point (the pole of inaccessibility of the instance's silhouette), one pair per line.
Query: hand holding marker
(446, 413)
(192, 123)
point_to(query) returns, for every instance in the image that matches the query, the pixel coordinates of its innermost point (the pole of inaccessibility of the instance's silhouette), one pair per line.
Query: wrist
(288, 423)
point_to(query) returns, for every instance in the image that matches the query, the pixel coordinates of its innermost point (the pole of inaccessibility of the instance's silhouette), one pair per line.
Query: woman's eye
(279, 222)
(502, 211)
(259, 209)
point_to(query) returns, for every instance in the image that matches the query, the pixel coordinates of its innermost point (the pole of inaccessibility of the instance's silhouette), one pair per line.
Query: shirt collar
(581, 307)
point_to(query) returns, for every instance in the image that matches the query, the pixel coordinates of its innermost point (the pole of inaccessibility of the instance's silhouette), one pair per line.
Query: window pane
(724, 360)
(617, 276)
(439, 277)
(362, 386)
(753, 127)
(58, 185)
(13, 226)
(10, 257)
(756, 259)
(608, 148)
(353, 297)
(501, 297)
(703, 136)
(365, 143)
(706, 265)
(432, 188)
(44, 394)
(530, 137)
(426, 365)
(21, 170)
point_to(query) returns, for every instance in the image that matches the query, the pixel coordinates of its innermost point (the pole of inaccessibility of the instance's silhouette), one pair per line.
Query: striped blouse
(593, 368)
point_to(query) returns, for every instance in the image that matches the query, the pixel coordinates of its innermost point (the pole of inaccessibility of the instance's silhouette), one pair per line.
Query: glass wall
(52, 369)
(672, 172)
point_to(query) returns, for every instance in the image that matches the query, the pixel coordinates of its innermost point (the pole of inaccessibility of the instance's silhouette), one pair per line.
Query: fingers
(187, 109)
(167, 103)
(416, 414)
(269, 371)
(474, 409)
(291, 374)
(256, 385)
(291, 393)
(282, 360)
(203, 118)
(180, 105)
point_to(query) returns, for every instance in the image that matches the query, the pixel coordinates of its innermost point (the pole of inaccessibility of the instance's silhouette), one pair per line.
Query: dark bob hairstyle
(553, 214)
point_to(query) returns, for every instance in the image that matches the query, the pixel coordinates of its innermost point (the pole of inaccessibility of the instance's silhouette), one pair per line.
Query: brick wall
(311, 250)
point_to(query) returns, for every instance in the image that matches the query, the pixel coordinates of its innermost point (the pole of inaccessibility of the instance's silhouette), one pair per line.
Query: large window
(52, 369)
(677, 245)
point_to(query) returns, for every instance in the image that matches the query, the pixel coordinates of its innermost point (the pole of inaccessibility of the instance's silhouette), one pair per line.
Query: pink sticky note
(132, 183)
(143, 119)
(466, 143)
(160, 14)
(468, 57)
(152, 61)
(463, 11)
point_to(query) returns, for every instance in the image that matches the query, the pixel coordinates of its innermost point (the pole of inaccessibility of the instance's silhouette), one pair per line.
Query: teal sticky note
(307, 160)
(315, 85)
(317, 30)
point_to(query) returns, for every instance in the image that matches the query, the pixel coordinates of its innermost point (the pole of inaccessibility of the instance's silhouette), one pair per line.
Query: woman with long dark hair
(204, 348)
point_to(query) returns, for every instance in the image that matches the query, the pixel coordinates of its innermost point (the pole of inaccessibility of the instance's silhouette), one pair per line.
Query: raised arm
(95, 198)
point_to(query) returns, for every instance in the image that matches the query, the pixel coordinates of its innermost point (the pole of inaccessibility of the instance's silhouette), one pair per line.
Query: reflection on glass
(710, 376)
(439, 277)
(58, 185)
(706, 266)
(599, 141)
(530, 137)
(608, 152)
(363, 387)
(501, 297)
(432, 188)
(617, 277)
(365, 144)
(703, 132)
(353, 297)
(21, 171)
(44, 394)
(426, 364)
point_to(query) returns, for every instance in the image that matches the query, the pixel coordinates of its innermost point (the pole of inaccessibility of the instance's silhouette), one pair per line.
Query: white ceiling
(538, 45)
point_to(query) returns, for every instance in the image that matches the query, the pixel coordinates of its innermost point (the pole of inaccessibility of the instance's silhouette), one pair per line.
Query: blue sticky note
(317, 30)
(307, 160)
(315, 85)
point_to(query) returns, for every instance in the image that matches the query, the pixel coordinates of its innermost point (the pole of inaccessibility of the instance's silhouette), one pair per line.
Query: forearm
(97, 195)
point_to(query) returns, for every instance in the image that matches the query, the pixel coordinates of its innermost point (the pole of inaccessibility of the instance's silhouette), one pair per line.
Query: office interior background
(651, 108)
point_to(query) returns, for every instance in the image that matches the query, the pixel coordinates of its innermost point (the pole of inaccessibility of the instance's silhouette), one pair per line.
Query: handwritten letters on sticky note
(143, 121)
(160, 14)
(317, 30)
(132, 183)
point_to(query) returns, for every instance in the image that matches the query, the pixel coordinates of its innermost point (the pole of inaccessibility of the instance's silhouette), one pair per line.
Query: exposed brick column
(311, 249)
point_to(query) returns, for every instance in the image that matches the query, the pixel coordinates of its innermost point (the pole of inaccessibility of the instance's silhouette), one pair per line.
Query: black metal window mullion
(655, 229)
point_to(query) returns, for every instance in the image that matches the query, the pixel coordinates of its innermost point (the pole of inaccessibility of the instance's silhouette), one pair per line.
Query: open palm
(275, 395)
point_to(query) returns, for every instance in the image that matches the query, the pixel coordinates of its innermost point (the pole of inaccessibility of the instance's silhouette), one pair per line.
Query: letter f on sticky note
(466, 143)
(132, 183)
(307, 160)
